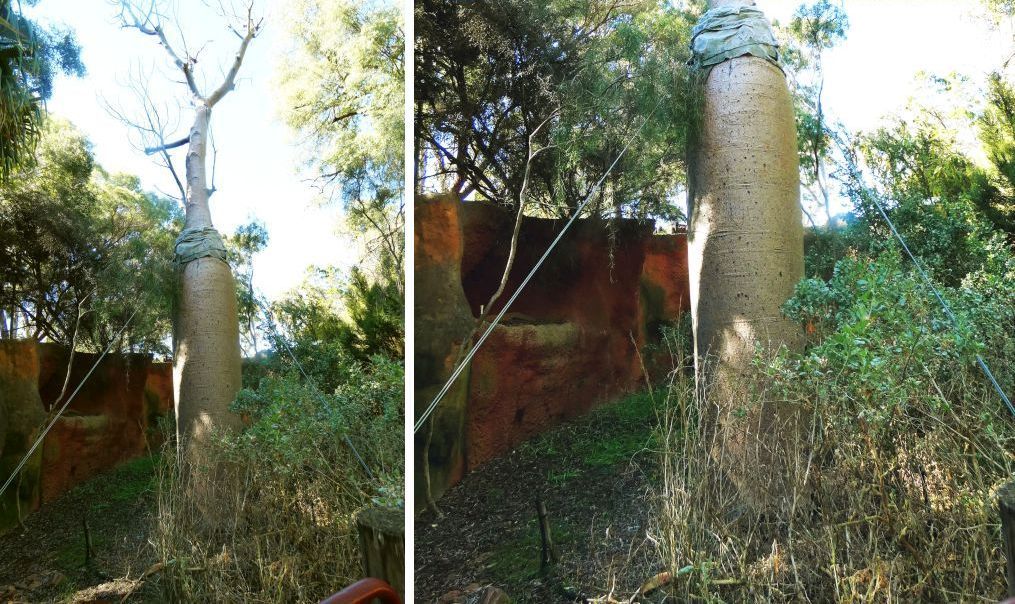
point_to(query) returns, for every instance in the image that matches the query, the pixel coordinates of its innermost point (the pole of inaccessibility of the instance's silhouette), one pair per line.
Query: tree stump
(382, 545)
(1006, 507)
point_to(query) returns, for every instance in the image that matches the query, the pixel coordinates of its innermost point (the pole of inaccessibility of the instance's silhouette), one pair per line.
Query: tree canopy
(343, 93)
(81, 249)
(554, 90)
(30, 57)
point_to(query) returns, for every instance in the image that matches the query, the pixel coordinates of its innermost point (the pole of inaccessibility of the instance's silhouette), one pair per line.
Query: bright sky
(872, 74)
(257, 173)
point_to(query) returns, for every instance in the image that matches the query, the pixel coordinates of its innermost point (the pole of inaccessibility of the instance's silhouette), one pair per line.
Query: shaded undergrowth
(49, 559)
(594, 475)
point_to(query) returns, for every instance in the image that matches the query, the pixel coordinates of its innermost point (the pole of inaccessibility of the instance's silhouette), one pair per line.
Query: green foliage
(30, 58)
(999, 10)
(81, 244)
(331, 320)
(295, 484)
(814, 29)
(874, 323)
(996, 199)
(376, 317)
(294, 423)
(933, 193)
(606, 436)
(903, 446)
(241, 246)
(819, 26)
(882, 340)
(495, 82)
(343, 92)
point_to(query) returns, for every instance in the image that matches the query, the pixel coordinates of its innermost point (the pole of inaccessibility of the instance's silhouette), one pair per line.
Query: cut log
(382, 545)
(1006, 506)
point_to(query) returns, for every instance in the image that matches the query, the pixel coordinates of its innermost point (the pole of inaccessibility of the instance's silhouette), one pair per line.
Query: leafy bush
(269, 515)
(293, 422)
(894, 474)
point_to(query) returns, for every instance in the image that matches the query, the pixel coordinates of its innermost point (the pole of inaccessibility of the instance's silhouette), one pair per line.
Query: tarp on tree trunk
(727, 32)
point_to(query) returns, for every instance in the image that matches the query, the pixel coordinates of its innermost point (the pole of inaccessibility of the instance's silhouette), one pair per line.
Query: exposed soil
(595, 477)
(44, 560)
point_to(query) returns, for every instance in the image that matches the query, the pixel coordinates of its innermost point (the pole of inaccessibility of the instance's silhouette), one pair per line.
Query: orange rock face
(442, 317)
(112, 419)
(569, 341)
(665, 268)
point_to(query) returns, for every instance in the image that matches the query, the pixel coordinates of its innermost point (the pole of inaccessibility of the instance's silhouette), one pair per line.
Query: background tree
(343, 94)
(82, 249)
(579, 75)
(30, 57)
(814, 29)
(241, 246)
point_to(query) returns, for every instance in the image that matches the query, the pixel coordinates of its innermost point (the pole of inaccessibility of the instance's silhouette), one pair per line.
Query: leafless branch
(522, 194)
(151, 125)
(149, 22)
(167, 146)
(214, 161)
(252, 29)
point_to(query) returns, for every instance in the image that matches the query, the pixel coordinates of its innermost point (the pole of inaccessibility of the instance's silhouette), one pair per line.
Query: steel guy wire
(313, 385)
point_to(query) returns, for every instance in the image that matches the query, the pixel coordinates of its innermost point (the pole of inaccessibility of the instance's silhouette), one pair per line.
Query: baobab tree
(745, 236)
(206, 340)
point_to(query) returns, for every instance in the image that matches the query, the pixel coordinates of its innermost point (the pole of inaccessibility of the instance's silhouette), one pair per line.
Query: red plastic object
(365, 591)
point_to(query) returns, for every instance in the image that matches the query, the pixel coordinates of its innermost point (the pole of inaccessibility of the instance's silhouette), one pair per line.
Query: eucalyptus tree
(82, 249)
(206, 328)
(241, 246)
(814, 29)
(343, 92)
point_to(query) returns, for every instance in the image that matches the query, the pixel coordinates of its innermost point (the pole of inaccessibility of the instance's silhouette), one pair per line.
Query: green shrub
(905, 445)
(268, 514)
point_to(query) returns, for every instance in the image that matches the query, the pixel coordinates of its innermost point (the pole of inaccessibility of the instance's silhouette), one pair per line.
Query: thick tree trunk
(745, 257)
(207, 330)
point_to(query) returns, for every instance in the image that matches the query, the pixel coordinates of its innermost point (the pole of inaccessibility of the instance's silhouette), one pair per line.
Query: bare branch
(167, 146)
(214, 161)
(252, 29)
(522, 194)
(152, 126)
(150, 23)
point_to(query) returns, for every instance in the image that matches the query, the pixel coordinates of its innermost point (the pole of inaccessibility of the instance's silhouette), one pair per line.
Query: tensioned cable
(35, 445)
(930, 285)
(465, 362)
(313, 385)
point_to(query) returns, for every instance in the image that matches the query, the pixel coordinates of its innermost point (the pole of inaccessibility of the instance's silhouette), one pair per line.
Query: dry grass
(238, 528)
(900, 510)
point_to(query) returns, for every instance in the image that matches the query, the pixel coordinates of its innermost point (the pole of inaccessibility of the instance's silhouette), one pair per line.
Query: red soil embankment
(567, 344)
(112, 419)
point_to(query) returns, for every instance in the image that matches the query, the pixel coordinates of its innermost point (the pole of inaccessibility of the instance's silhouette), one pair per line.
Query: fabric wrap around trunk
(727, 32)
(199, 242)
